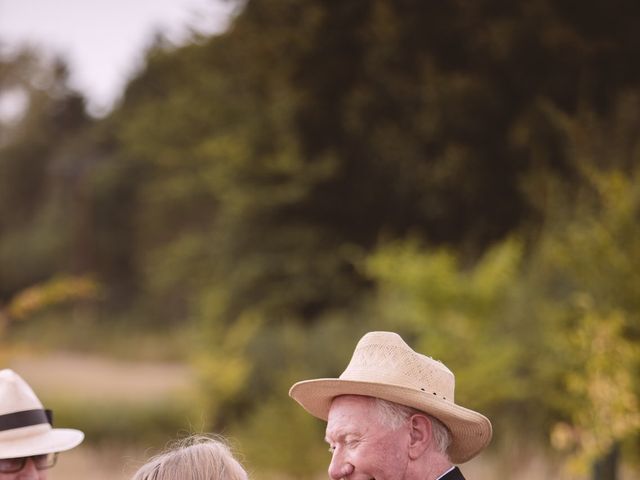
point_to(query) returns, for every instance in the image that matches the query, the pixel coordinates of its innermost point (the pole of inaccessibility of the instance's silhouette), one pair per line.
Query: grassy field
(92, 377)
(99, 385)
(106, 463)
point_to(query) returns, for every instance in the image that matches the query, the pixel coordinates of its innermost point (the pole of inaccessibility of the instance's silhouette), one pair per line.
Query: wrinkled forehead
(351, 414)
(355, 404)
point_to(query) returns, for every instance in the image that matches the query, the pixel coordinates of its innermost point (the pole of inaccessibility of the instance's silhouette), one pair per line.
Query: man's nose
(29, 471)
(339, 466)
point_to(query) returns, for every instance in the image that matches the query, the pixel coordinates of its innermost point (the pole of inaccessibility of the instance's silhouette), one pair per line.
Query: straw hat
(25, 427)
(384, 366)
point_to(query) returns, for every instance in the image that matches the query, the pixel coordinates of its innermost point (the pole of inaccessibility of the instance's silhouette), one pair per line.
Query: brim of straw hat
(39, 443)
(470, 430)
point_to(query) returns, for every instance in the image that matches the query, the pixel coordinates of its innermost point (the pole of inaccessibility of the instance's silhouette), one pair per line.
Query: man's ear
(420, 435)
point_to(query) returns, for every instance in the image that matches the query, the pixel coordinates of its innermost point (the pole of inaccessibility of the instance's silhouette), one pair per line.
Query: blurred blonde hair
(198, 457)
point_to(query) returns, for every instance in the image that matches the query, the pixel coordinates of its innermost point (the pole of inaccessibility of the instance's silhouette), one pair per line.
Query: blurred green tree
(38, 200)
(560, 317)
(587, 273)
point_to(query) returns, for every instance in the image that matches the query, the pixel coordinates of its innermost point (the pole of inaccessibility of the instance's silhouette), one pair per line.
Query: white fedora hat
(25, 426)
(384, 366)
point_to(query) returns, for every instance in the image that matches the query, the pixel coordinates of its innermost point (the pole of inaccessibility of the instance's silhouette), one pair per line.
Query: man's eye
(332, 449)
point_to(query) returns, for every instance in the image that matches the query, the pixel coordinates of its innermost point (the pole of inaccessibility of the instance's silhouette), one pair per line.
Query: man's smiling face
(362, 446)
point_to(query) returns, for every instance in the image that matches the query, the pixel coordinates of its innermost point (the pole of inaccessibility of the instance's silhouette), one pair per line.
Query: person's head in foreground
(391, 415)
(198, 457)
(29, 445)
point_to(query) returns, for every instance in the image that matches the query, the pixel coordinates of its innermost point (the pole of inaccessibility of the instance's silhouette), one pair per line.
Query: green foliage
(35, 249)
(606, 407)
(587, 275)
(35, 225)
(80, 328)
(562, 320)
(226, 367)
(462, 316)
(57, 291)
(282, 437)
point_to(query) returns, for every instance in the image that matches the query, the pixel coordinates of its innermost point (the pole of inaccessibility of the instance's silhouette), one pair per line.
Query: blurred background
(227, 207)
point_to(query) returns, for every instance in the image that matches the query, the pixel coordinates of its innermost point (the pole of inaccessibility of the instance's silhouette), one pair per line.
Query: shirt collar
(445, 473)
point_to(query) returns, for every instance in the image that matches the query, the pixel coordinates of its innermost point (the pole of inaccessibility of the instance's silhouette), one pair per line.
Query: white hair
(395, 415)
(199, 457)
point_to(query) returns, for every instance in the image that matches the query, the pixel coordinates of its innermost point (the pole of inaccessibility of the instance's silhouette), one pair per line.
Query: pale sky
(103, 40)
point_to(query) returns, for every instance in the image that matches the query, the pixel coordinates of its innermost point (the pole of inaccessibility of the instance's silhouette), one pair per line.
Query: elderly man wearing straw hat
(28, 443)
(391, 415)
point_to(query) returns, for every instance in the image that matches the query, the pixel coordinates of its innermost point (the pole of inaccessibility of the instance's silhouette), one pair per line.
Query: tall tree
(36, 183)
